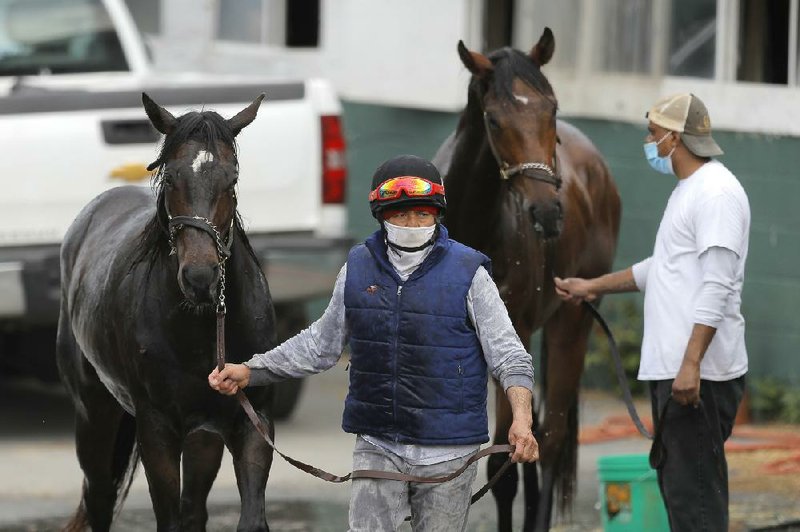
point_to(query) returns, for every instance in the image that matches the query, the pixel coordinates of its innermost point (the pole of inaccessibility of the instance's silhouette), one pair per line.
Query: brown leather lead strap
(220, 341)
(361, 473)
(392, 475)
(259, 425)
(372, 473)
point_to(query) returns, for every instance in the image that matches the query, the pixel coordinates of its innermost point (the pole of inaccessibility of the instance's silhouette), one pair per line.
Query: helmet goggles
(413, 187)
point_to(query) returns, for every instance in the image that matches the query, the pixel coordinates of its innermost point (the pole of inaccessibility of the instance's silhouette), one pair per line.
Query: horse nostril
(201, 279)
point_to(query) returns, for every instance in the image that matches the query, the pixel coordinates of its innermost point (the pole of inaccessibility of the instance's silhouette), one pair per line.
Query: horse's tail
(123, 469)
(79, 520)
(125, 460)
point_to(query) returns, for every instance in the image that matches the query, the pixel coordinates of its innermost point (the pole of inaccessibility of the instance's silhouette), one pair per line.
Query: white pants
(378, 505)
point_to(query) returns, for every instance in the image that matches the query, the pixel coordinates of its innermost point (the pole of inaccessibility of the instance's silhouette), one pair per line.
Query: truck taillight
(334, 167)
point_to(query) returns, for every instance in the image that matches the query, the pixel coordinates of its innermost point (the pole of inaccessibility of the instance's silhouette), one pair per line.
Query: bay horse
(142, 282)
(534, 194)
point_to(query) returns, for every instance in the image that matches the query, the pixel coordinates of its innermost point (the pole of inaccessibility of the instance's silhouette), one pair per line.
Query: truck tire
(290, 318)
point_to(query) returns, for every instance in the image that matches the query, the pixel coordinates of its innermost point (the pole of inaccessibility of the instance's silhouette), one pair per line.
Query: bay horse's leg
(202, 455)
(566, 335)
(252, 460)
(160, 446)
(505, 489)
(530, 482)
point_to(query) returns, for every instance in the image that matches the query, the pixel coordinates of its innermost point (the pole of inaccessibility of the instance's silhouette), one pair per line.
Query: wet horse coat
(136, 334)
(534, 194)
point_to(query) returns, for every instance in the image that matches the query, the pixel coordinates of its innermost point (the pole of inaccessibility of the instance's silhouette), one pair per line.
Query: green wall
(767, 167)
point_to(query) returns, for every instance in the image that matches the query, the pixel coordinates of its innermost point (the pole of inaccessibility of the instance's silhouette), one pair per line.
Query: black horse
(142, 282)
(534, 194)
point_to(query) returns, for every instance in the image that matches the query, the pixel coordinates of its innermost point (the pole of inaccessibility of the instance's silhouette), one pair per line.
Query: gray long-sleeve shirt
(320, 346)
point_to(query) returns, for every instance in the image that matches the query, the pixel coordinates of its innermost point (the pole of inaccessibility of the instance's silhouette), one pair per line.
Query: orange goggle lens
(411, 186)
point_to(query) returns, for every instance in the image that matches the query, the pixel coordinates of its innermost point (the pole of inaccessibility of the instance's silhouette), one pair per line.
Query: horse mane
(209, 128)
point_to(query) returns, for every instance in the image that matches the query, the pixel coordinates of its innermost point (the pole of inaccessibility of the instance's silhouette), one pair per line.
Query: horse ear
(543, 51)
(476, 63)
(160, 117)
(245, 116)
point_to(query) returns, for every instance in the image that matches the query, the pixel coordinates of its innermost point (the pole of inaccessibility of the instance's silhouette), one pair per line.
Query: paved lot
(40, 479)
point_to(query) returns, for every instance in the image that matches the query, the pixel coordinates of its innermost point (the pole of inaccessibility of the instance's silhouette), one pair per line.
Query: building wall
(765, 165)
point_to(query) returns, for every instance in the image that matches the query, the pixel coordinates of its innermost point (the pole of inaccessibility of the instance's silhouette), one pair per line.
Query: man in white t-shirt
(693, 348)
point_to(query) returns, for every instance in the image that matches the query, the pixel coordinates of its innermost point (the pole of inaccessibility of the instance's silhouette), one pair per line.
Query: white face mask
(408, 237)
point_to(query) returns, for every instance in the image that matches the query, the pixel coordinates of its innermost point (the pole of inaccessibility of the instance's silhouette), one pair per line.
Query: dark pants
(694, 475)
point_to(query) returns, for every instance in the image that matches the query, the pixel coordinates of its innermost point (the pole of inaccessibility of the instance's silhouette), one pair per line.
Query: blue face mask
(658, 163)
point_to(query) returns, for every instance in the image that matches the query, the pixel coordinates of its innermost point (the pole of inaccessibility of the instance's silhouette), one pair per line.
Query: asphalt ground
(40, 478)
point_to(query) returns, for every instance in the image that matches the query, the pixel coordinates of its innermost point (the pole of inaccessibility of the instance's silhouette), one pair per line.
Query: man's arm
(575, 289)
(686, 386)
(310, 351)
(719, 271)
(507, 360)
(520, 434)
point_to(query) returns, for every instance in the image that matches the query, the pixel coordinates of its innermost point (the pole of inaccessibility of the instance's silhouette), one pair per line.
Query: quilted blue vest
(417, 371)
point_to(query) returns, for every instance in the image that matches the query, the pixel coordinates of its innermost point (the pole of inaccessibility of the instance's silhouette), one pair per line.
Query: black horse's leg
(97, 426)
(566, 335)
(160, 446)
(505, 489)
(104, 434)
(202, 454)
(252, 460)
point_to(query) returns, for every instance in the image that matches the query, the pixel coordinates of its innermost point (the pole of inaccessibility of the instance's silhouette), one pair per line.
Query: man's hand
(519, 434)
(526, 447)
(574, 289)
(230, 380)
(686, 386)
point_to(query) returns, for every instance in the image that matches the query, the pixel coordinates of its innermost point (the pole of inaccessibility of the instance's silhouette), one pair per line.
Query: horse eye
(492, 122)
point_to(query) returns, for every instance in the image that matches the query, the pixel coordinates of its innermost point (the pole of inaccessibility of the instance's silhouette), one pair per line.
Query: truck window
(57, 37)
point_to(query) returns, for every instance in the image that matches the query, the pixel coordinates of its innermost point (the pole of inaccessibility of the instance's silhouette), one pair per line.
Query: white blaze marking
(522, 99)
(202, 157)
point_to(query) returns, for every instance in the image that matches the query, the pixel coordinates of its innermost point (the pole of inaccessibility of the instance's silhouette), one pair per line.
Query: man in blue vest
(425, 325)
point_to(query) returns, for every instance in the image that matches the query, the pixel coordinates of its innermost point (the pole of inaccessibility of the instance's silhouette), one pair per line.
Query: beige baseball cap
(686, 114)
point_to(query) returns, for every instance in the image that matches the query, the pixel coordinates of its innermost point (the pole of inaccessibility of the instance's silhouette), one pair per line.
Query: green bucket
(629, 495)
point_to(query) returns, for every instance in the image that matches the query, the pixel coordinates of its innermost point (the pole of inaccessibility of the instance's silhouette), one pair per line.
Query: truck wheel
(290, 318)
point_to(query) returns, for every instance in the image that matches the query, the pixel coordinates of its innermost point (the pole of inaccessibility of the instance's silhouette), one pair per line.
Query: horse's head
(519, 114)
(196, 183)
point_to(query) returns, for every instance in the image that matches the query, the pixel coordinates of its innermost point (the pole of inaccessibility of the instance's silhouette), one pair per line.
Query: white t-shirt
(707, 209)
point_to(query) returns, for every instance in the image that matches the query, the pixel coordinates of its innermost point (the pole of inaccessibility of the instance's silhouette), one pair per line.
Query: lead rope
(359, 473)
(620, 371)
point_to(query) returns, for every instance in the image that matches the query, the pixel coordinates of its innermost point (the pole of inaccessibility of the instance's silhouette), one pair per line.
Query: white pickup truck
(72, 125)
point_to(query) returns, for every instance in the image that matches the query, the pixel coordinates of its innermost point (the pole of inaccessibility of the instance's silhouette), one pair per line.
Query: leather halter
(534, 170)
(223, 247)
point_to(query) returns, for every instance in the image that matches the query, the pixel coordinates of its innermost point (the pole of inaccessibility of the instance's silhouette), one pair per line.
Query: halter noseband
(176, 223)
(533, 170)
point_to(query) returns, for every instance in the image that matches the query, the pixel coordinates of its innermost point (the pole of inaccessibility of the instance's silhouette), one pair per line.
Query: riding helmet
(406, 165)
